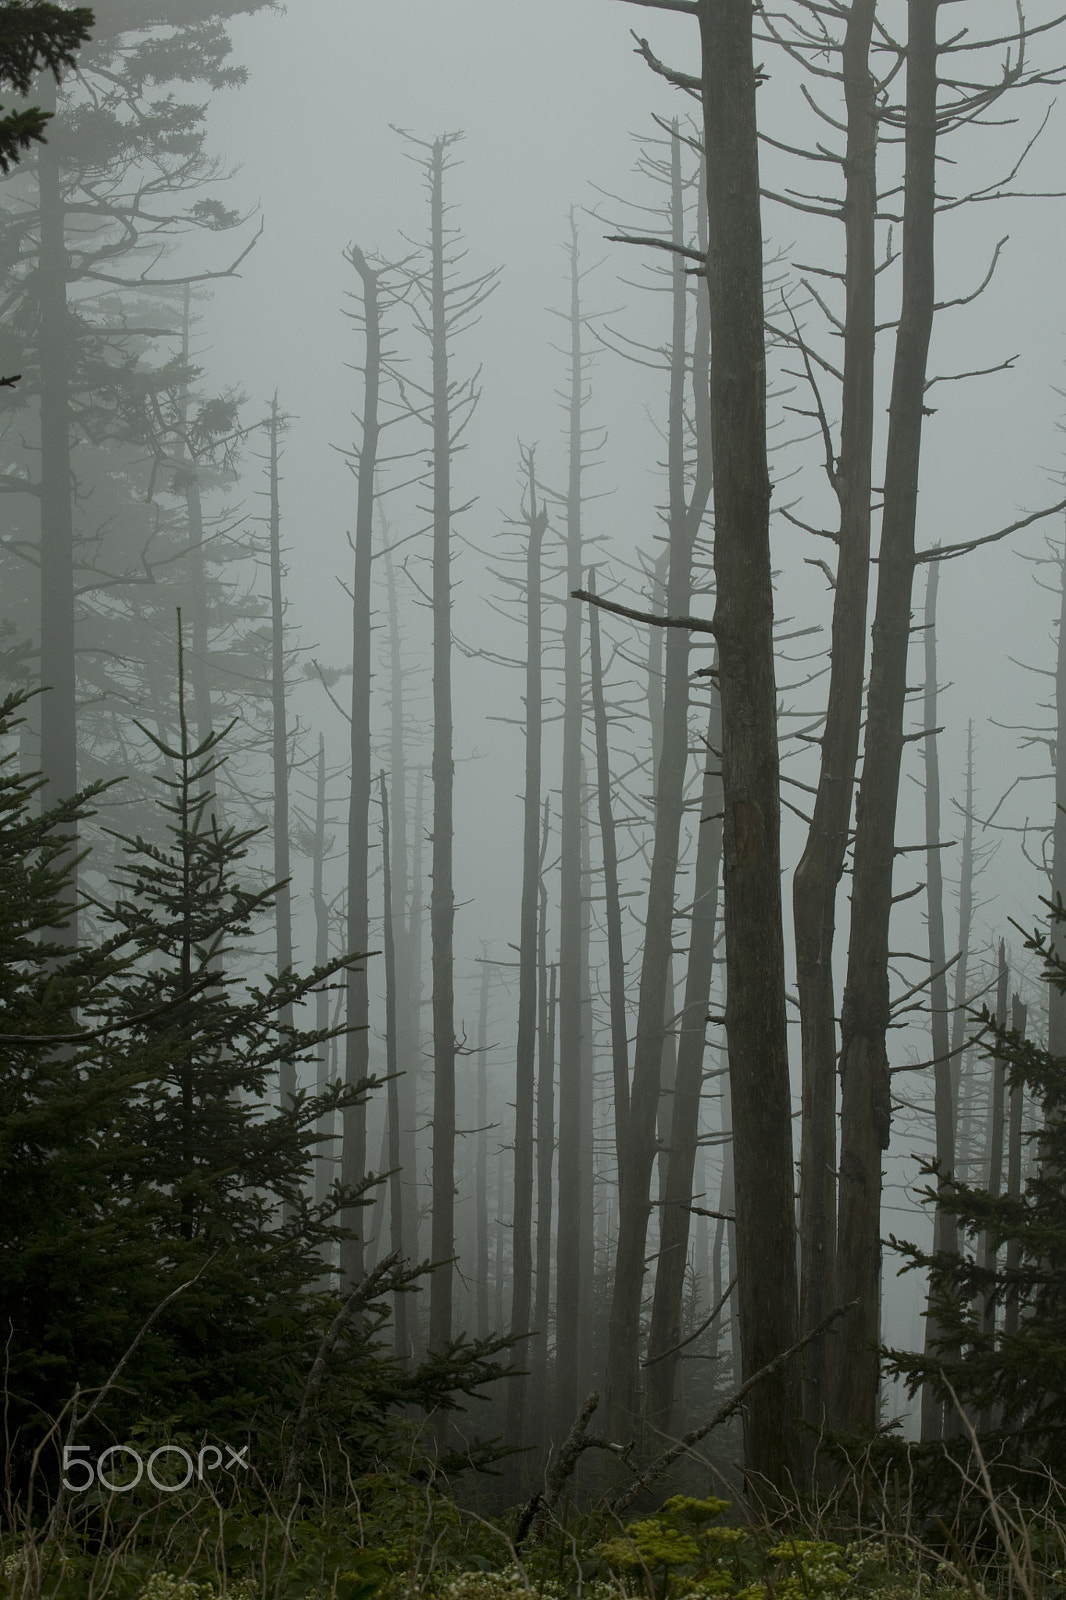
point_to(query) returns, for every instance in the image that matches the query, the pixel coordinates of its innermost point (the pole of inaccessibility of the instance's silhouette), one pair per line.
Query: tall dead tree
(445, 304)
(360, 777)
(743, 628)
(664, 1354)
(865, 1083)
(945, 1232)
(685, 511)
(279, 751)
(569, 1338)
(396, 1230)
(525, 1053)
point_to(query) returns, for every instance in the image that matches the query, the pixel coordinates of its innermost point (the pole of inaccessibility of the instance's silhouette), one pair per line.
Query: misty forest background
(664, 1029)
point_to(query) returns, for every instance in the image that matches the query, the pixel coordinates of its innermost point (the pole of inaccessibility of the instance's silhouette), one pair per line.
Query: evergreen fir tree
(1015, 1381)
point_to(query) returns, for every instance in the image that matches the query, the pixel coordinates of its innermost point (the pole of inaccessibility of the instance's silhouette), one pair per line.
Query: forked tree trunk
(817, 877)
(755, 1001)
(865, 1084)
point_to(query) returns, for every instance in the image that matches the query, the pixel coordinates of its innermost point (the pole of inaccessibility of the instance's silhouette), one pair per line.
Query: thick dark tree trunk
(815, 885)
(676, 1199)
(1018, 1021)
(865, 1084)
(755, 967)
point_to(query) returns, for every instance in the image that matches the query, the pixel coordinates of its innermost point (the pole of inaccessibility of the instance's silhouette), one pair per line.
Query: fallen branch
(540, 1507)
(620, 1506)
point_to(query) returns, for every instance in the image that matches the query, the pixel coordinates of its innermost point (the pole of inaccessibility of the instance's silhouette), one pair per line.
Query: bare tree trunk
(199, 668)
(590, 1352)
(526, 1048)
(401, 1346)
(324, 1163)
(568, 1333)
(945, 1233)
(481, 1174)
(676, 1199)
(545, 1150)
(635, 1167)
(59, 750)
(357, 1040)
(450, 406)
(612, 902)
(959, 1019)
(1018, 1021)
(1056, 1040)
(755, 1001)
(817, 877)
(994, 1165)
(865, 1084)
(280, 757)
(408, 977)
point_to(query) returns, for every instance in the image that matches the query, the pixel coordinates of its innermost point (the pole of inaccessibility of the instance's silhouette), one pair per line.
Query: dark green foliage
(1014, 1383)
(142, 1153)
(34, 37)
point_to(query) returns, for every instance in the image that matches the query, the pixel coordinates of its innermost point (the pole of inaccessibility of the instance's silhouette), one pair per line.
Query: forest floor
(403, 1540)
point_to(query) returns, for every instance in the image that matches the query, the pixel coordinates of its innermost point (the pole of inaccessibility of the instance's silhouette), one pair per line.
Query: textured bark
(865, 1085)
(635, 1167)
(360, 781)
(526, 1047)
(676, 1199)
(755, 1004)
(945, 1232)
(568, 1333)
(280, 755)
(817, 877)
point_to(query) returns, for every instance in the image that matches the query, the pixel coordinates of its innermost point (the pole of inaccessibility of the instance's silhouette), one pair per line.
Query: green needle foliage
(34, 37)
(153, 1196)
(1012, 1383)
